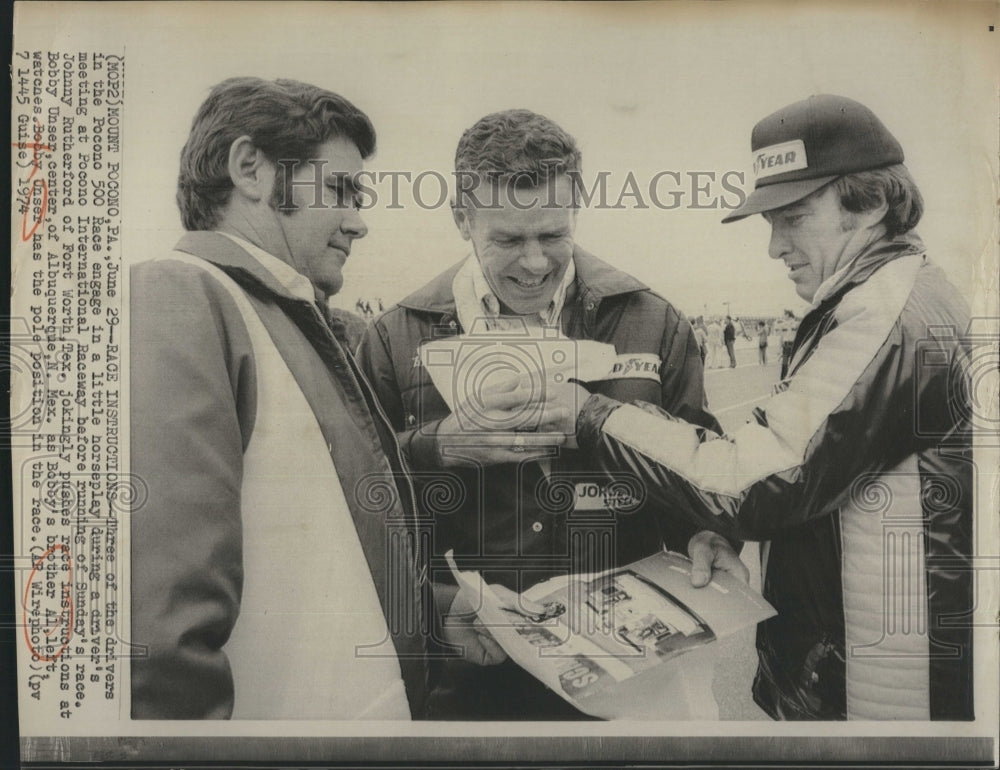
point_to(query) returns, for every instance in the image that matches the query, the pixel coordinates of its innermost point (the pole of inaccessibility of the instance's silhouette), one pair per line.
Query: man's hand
(710, 551)
(570, 397)
(463, 630)
(509, 425)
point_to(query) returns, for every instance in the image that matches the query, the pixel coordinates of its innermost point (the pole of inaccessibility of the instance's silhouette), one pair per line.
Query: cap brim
(776, 196)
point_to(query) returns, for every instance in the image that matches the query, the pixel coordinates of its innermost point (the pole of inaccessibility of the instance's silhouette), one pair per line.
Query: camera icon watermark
(501, 379)
(957, 383)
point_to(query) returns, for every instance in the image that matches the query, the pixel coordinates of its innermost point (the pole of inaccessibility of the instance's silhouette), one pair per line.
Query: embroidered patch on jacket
(635, 365)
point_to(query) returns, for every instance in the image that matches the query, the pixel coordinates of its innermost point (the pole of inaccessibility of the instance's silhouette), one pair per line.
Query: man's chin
(806, 292)
(526, 305)
(329, 287)
(527, 308)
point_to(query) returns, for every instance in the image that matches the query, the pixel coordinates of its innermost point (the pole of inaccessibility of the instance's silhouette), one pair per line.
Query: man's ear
(250, 170)
(461, 216)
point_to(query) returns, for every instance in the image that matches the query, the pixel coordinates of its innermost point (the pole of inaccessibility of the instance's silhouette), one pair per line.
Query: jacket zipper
(373, 399)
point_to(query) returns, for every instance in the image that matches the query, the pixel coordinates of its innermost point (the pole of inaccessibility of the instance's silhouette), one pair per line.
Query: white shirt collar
(291, 279)
(833, 282)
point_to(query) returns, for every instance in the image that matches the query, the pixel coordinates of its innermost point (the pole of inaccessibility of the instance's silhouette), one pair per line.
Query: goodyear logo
(632, 365)
(779, 158)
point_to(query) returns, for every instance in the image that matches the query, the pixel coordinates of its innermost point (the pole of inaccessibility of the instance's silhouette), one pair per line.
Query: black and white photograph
(342, 333)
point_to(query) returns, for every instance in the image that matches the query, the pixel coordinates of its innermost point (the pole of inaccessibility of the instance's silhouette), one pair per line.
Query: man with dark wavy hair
(262, 586)
(516, 204)
(857, 475)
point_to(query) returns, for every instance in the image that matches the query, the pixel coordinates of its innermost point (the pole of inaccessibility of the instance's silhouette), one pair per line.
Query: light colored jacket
(858, 477)
(261, 560)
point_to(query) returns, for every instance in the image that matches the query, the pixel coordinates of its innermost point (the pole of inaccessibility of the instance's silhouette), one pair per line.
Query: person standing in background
(701, 337)
(762, 341)
(729, 337)
(714, 333)
(787, 328)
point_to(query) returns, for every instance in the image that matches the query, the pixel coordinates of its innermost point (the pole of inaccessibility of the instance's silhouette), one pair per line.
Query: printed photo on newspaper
(585, 635)
(515, 382)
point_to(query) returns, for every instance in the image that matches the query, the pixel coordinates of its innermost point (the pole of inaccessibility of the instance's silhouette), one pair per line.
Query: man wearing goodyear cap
(856, 476)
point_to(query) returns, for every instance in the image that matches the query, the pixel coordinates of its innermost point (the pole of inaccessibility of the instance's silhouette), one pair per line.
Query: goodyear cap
(806, 145)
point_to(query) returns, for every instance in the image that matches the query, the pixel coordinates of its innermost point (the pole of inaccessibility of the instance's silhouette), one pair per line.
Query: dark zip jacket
(513, 522)
(858, 476)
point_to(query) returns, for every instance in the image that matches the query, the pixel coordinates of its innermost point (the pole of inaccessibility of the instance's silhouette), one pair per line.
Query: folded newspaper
(602, 640)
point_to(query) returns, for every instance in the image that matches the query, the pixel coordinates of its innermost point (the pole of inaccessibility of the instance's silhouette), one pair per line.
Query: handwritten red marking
(36, 149)
(67, 605)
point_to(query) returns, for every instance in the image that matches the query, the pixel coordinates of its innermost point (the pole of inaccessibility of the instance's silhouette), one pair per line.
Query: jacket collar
(240, 262)
(594, 278)
(867, 262)
(248, 269)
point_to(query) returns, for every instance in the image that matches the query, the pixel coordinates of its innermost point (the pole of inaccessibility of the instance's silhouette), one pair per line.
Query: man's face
(319, 238)
(815, 237)
(524, 243)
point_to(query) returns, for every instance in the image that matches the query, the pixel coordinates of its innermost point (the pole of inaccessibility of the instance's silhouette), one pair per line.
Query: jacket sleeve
(682, 393)
(192, 394)
(847, 411)
(374, 355)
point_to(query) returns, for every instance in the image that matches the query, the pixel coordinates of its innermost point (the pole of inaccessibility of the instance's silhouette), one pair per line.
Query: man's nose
(533, 259)
(353, 225)
(778, 245)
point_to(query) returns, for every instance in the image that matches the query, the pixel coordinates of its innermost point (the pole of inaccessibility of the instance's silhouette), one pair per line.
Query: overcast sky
(644, 88)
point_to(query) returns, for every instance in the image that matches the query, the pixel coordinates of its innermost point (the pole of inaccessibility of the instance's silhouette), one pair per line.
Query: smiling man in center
(518, 511)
